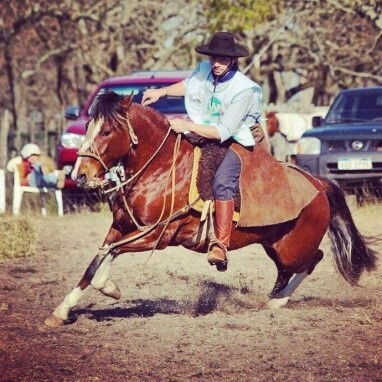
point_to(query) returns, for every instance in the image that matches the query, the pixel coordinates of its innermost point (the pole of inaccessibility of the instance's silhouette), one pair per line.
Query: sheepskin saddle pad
(271, 192)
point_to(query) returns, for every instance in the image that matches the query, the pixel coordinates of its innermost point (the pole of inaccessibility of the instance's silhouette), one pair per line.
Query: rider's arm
(153, 95)
(176, 90)
(228, 124)
(182, 126)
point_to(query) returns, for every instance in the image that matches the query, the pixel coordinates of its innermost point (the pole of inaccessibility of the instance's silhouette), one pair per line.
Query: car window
(166, 105)
(370, 107)
(356, 107)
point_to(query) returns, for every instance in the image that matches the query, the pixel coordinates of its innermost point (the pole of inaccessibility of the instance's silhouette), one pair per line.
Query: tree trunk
(11, 79)
(5, 125)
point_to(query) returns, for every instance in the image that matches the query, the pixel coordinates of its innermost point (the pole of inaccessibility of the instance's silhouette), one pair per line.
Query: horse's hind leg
(283, 276)
(281, 298)
(96, 275)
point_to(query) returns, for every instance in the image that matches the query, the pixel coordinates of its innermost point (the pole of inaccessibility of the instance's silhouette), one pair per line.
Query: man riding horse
(289, 219)
(223, 105)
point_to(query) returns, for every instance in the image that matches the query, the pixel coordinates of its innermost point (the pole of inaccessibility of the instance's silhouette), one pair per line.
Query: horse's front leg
(97, 275)
(100, 279)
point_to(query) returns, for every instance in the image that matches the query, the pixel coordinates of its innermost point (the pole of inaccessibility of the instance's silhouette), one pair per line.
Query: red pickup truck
(136, 83)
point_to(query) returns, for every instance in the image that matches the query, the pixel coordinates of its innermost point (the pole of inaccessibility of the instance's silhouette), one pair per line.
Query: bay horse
(150, 207)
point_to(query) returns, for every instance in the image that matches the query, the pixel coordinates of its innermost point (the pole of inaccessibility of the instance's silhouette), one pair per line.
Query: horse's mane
(108, 106)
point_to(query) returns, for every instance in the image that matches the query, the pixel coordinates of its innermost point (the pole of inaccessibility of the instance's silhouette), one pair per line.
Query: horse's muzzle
(96, 182)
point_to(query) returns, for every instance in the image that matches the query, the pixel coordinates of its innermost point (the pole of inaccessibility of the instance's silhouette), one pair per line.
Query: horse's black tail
(351, 253)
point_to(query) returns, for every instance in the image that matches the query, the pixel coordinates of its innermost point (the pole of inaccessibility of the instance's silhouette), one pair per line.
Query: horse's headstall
(115, 179)
(92, 155)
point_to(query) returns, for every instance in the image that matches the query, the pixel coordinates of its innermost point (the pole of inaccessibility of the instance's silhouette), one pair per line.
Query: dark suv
(136, 83)
(346, 146)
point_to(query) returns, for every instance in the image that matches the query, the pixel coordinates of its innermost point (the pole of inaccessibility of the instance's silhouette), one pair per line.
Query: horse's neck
(157, 147)
(151, 129)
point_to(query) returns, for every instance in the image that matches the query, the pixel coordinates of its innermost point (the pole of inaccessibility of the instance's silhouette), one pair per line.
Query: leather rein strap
(144, 230)
(94, 153)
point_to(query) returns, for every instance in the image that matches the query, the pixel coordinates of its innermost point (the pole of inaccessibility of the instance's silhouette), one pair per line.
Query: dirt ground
(181, 320)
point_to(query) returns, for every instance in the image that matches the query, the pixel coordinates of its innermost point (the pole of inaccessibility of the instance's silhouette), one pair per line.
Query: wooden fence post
(2, 191)
(5, 124)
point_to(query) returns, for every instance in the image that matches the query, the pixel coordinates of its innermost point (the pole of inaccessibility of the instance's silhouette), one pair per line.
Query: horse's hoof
(54, 322)
(111, 290)
(115, 294)
(221, 267)
(275, 294)
(277, 303)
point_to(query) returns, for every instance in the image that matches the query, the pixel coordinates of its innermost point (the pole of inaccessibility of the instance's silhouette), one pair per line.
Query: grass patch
(18, 237)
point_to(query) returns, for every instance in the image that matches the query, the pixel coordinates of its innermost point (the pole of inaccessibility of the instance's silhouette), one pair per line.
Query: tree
(239, 15)
(55, 53)
(295, 45)
(31, 34)
(328, 44)
(52, 54)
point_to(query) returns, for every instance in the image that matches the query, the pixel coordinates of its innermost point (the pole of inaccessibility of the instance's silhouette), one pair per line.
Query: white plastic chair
(18, 190)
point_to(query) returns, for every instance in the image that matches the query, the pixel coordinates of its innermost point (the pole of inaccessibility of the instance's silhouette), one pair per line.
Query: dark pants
(226, 180)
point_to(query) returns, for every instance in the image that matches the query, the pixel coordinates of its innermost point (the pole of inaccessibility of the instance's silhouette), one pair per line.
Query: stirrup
(221, 264)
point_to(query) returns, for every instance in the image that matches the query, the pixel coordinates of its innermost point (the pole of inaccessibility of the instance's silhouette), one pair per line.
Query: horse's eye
(105, 133)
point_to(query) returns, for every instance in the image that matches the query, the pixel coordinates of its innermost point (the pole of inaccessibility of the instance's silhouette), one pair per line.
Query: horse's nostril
(81, 179)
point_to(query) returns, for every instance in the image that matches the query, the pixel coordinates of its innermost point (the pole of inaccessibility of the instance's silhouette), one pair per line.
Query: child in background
(38, 170)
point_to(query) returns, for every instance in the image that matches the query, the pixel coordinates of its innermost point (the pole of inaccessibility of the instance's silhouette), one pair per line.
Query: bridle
(93, 153)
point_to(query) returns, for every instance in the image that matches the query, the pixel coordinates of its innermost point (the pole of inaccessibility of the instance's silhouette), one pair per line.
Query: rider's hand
(152, 95)
(179, 125)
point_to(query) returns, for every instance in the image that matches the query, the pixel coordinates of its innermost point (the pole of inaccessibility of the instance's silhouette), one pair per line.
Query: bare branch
(355, 74)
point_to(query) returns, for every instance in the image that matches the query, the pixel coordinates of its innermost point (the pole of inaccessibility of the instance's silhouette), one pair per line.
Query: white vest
(205, 105)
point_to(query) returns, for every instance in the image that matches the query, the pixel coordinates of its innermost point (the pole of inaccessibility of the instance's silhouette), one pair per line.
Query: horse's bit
(94, 153)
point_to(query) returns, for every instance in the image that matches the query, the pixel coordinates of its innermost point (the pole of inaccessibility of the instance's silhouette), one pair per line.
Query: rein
(122, 184)
(144, 230)
(94, 153)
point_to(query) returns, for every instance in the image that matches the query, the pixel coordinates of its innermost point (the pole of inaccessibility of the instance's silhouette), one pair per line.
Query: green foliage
(239, 15)
(18, 237)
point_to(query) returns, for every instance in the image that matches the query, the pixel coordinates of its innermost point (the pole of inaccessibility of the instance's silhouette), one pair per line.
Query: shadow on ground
(208, 301)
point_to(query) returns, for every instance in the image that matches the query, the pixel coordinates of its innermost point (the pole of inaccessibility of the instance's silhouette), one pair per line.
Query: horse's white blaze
(68, 303)
(276, 303)
(75, 169)
(93, 130)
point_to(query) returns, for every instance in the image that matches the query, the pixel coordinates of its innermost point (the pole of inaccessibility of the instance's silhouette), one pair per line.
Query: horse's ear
(127, 101)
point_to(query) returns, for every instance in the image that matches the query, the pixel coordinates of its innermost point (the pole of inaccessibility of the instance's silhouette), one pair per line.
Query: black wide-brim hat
(222, 44)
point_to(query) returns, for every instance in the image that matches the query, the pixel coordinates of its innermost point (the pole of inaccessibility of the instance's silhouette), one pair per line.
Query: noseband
(94, 154)
(93, 151)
